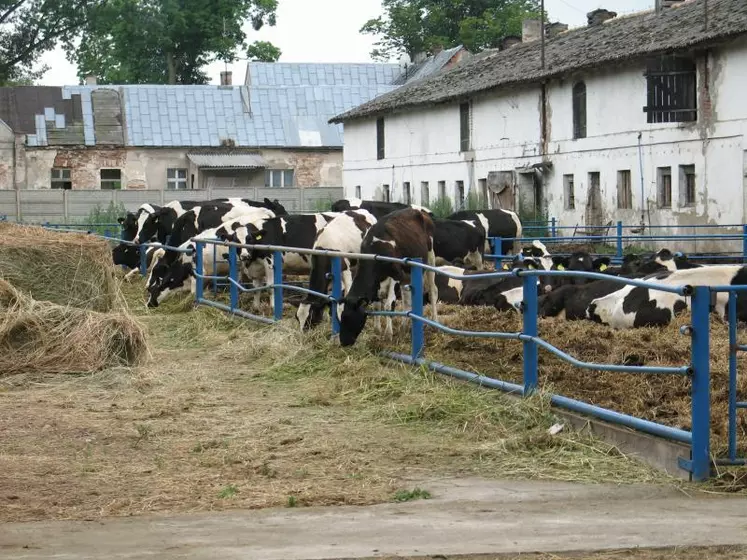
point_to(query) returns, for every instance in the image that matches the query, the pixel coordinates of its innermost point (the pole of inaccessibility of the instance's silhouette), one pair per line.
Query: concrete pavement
(465, 516)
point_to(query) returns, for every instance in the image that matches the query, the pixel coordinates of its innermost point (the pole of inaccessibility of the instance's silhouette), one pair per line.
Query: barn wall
(7, 140)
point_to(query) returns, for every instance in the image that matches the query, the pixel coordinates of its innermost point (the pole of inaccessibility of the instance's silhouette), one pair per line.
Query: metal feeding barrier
(697, 369)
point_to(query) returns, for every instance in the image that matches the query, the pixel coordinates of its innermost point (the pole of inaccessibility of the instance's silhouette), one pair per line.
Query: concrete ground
(465, 516)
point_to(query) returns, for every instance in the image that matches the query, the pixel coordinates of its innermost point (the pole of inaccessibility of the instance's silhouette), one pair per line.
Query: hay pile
(660, 398)
(64, 268)
(43, 337)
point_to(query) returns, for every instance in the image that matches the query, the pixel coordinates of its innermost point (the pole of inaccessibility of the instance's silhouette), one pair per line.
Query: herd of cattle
(454, 245)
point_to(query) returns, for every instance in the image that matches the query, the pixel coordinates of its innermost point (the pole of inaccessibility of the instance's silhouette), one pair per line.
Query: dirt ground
(689, 553)
(228, 414)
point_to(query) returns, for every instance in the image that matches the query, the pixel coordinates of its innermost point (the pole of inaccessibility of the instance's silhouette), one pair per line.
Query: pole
(531, 361)
(416, 308)
(733, 376)
(143, 259)
(619, 254)
(701, 403)
(277, 280)
(336, 293)
(234, 277)
(198, 271)
(542, 32)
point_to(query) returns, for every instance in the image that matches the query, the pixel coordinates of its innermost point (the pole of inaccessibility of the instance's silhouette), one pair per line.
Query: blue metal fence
(697, 368)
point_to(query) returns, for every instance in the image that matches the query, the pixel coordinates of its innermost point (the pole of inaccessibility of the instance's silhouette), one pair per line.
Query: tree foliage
(263, 51)
(29, 28)
(165, 41)
(413, 26)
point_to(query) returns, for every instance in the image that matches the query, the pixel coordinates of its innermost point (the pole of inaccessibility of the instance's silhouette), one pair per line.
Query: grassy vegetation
(102, 219)
(322, 204)
(442, 207)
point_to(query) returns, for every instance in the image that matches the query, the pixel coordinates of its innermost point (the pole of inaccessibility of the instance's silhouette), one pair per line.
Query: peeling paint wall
(7, 140)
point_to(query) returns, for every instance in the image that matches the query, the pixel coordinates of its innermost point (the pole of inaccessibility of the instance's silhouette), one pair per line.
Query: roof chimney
(531, 30)
(598, 17)
(91, 80)
(226, 78)
(509, 41)
(553, 29)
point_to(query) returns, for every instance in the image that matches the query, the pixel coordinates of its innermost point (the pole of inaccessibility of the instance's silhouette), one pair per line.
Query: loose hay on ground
(43, 337)
(64, 268)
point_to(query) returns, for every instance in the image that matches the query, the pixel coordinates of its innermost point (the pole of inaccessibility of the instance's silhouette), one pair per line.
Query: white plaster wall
(7, 140)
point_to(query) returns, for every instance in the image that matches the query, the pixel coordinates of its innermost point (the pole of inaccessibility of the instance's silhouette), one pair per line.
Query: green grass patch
(411, 495)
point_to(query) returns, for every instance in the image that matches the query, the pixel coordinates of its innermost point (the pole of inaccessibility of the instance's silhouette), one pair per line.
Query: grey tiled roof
(429, 66)
(286, 74)
(617, 40)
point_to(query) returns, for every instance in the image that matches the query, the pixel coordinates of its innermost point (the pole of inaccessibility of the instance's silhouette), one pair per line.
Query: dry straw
(63, 268)
(43, 337)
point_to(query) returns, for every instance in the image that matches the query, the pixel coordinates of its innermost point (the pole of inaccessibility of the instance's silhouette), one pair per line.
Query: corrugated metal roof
(228, 160)
(429, 66)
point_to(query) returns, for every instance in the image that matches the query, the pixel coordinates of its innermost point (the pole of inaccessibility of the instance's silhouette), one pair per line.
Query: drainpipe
(640, 167)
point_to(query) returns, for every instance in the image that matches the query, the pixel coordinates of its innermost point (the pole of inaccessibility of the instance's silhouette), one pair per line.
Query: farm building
(272, 131)
(638, 117)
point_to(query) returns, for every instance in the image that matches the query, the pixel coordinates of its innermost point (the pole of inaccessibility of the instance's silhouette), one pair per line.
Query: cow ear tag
(603, 267)
(505, 267)
(561, 267)
(259, 237)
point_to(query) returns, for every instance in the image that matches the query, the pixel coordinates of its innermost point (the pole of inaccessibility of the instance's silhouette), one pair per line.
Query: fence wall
(69, 206)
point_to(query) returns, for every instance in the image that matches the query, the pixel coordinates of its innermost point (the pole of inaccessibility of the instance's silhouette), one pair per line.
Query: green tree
(413, 26)
(29, 28)
(165, 41)
(263, 51)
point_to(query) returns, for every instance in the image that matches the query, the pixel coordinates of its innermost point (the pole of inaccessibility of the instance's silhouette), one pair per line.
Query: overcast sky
(327, 31)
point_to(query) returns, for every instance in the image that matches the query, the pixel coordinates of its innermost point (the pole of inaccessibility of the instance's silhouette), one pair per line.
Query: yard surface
(229, 414)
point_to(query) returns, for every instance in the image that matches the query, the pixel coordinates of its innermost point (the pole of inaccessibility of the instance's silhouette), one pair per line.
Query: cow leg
(347, 283)
(130, 274)
(389, 305)
(269, 276)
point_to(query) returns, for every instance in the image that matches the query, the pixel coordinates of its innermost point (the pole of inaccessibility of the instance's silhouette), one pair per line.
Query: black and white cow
(459, 242)
(344, 234)
(404, 233)
(495, 223)
(579, 261)
(505, 294)
(297, 230)
(124, 254)
(129, 256)
(378, 208)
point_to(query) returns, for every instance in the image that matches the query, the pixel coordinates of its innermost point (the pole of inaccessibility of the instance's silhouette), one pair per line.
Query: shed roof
(617, 40)
(227, 160)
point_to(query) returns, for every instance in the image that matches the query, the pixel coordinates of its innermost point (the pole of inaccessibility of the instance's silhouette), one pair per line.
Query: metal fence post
(497, 250)
(619, 253)
(215, 266)
(234, 277)
(732, 376)
(744, 243)
(701, 378)
(277, 280)
(336, 293)
(199, 288)
(553, 228)
(416, 308)
(531, 362)
(143, 259)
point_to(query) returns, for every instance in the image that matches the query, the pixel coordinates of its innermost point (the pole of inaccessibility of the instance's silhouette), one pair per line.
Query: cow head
(352, 320)
(152, 225)
(129, 226)
(167, 280)
(126, 255)
(537, 250)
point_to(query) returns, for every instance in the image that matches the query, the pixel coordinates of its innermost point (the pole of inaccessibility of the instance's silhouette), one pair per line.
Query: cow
(505, 294)
(378, 208)
(633, 306)
(579, 261)
(344, 234)
(406, 233)
(298, 230)
(129, 256)
(495, 223)
(449, 289)
(132, 222)
(459, 242)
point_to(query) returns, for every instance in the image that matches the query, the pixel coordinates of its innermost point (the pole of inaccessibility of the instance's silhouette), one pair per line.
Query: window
(687, 185)
(464, 127)
(61, 179)
(176, 179)
(408, 194)
(624, 190)
(459, 194)
(387, 194)
(279, 178)
(483, 184)
(442, 189)
(672, 90)
(425, 195)
(358, 191)
(111, 179)
(569, 193)
(380, 138)
(664, 181)
(579, 110)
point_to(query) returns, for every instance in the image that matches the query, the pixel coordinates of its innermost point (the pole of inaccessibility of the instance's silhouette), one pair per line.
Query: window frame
(380, 138)
(663, 199)
(671, 90)
(386, 193)
(624, 202)
(407, 191)
(442, 189)
(569, 188)
(176, 180)
(357, 191)
(686, 171)
(465, 126)
(578, 94)
(103, 181)
(269, 175)
(425, 193)
(61, 180)
(460, 196)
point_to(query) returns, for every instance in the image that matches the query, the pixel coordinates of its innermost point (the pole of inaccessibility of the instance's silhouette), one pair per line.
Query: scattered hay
(658, 397)
(41, 337)
(63, 268)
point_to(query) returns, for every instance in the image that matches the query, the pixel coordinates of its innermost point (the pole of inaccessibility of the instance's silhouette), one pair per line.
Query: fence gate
(737, 403)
